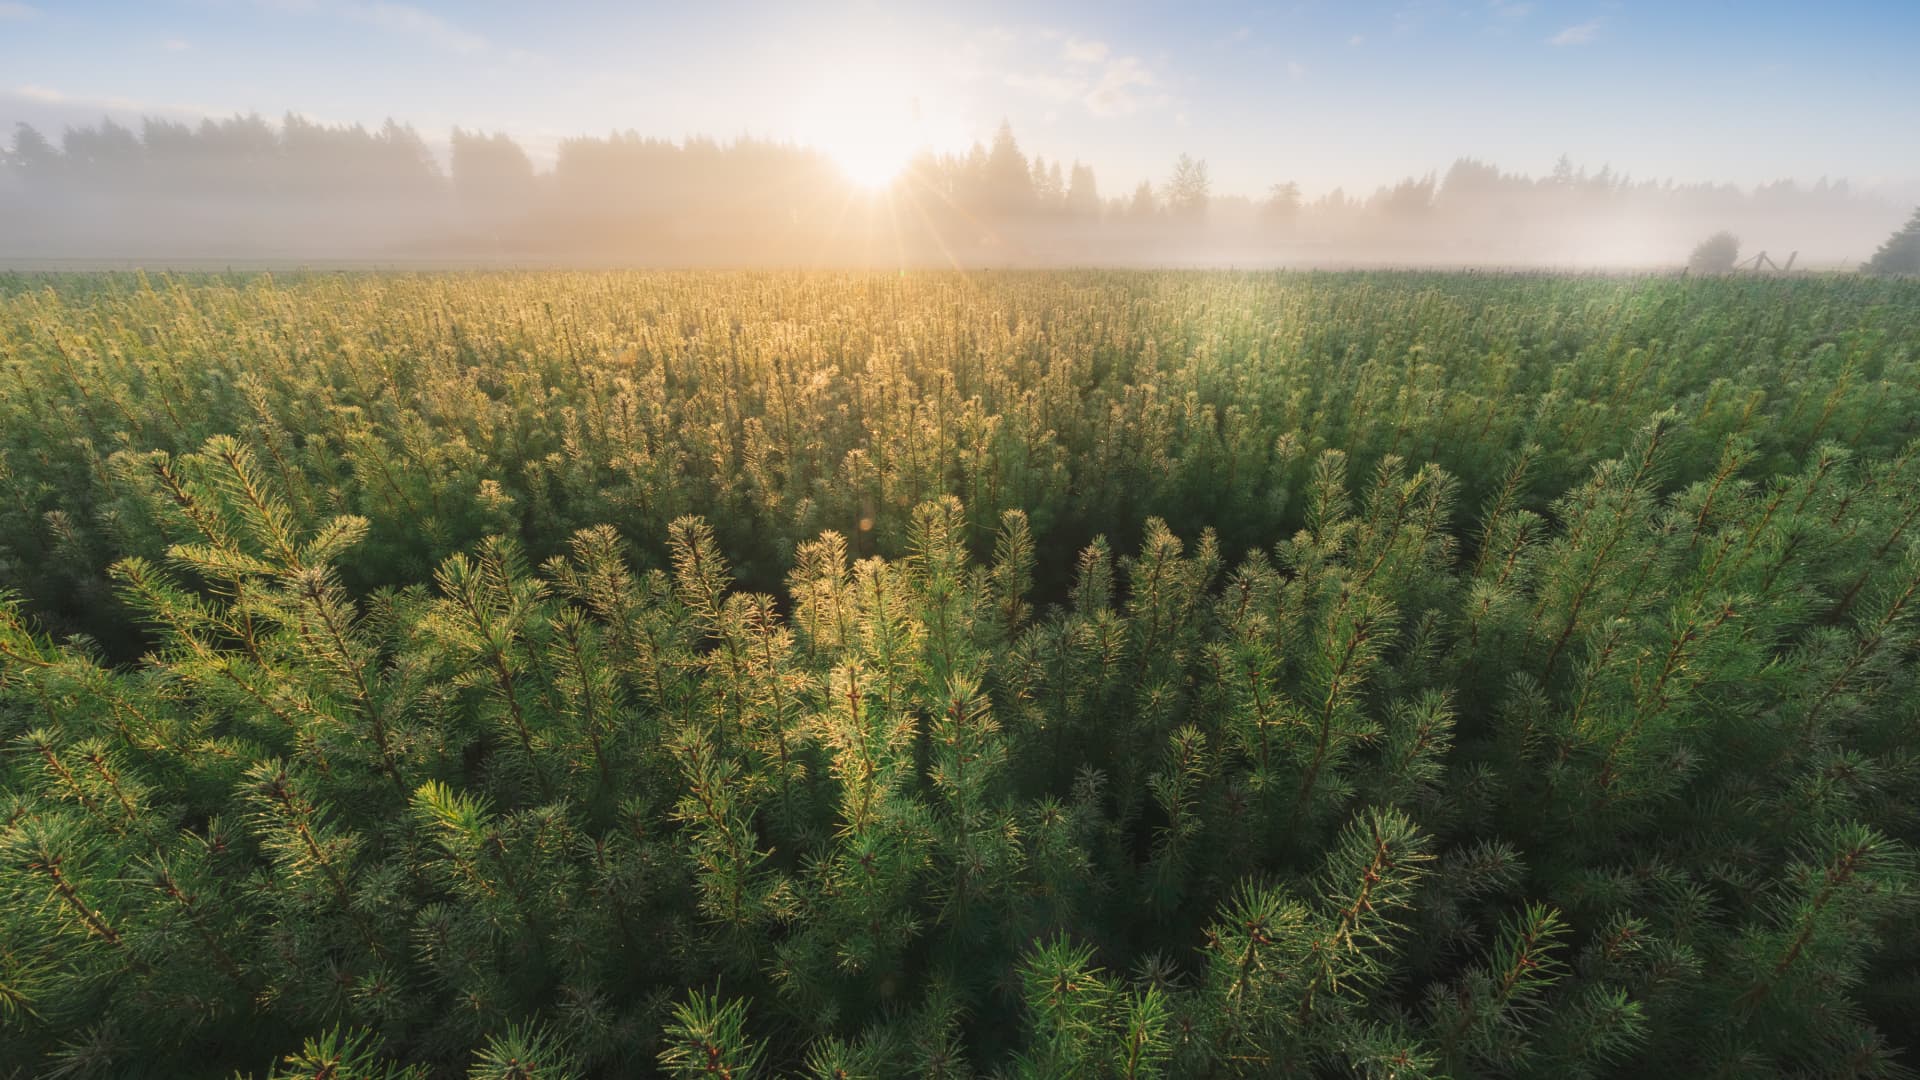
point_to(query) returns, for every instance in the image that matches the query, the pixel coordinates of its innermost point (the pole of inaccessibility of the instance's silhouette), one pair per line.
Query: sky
(1326, 94)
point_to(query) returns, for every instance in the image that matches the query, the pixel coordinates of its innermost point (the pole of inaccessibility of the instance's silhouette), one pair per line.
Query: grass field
(1028, 674)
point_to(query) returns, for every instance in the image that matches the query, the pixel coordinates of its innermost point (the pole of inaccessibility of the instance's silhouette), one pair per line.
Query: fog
(246, 191)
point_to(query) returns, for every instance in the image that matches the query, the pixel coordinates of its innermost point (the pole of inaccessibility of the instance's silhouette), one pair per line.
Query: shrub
(1715, 255)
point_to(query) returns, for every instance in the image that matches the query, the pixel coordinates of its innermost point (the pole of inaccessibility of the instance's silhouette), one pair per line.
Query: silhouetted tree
(1083, 195)
(1716, 254)
(1142, 206)
(1048, 190)
(1009, 186)
(33, 155)
(1188, 189)
(1900, 254)
(105, 149)
(1469, 184)
(1282, 204)
(492, 175)
(1408, 199)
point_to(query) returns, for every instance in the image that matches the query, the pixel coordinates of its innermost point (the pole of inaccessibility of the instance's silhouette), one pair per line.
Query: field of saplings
(1017, 675)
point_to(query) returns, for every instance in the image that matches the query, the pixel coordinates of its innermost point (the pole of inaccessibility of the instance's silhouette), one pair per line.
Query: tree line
(246, 188)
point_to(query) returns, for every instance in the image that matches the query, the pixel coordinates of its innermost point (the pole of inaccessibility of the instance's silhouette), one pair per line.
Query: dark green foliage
(1715, 255)
(1900, 254)
(1419, 718)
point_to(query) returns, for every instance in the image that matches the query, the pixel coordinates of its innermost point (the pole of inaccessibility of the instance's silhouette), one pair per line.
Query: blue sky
(1328, 94)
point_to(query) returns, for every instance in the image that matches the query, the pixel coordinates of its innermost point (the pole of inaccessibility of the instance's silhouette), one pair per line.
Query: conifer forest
(959, 674)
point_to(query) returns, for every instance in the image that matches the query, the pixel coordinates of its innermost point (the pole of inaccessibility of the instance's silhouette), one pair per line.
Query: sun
(872, 160)
(869, 123)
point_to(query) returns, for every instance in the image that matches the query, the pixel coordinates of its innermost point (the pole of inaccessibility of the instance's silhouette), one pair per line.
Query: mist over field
(496, 583)
(250, 191)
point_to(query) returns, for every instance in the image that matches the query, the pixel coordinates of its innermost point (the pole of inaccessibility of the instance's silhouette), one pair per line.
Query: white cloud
(1084, 52)
(1414, 15)
(1357, 40)
(1296, 70)
(1579, 34)
(126, 108)
(409, 20)
(413, 22)
(1104, 83)
(1113, 94)
(12, 10)
(176, 45)
(1504, 10)
(403, 20)
(1000, 37)
(1051, 87)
